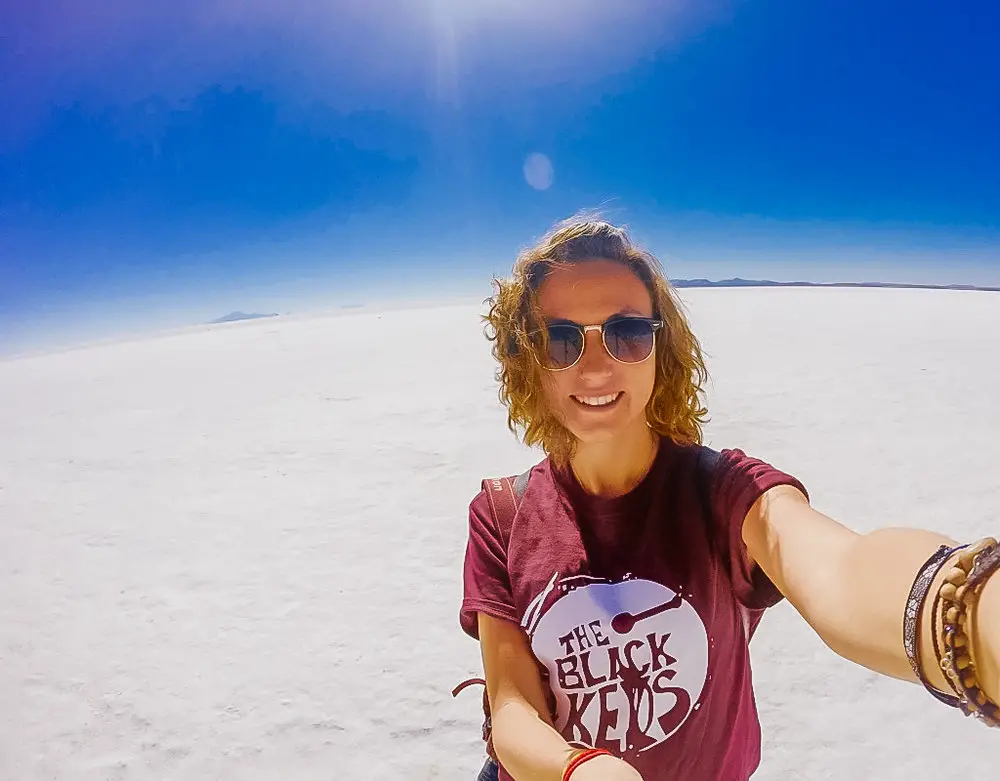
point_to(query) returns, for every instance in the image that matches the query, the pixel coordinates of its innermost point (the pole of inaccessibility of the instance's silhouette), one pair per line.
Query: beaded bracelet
(958, 597)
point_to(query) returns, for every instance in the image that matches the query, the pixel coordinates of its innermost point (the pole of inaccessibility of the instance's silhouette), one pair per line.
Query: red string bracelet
(582, 757)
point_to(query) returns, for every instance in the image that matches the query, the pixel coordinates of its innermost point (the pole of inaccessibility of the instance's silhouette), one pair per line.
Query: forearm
(531, 750)
(526, 743)
(528, 747)
(852, 588)
(875, 574)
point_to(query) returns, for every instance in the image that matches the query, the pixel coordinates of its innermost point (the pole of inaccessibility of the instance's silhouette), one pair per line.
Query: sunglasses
(627, 340)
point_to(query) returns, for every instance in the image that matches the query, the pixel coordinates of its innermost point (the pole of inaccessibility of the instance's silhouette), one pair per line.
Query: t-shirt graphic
(627, 660)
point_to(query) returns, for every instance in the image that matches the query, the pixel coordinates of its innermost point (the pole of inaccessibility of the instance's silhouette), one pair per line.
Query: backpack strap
(704, 472)
(504, 495)
(705, 469)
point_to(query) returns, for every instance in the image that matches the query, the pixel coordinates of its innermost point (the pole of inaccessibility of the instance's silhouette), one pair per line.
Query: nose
(595, 363)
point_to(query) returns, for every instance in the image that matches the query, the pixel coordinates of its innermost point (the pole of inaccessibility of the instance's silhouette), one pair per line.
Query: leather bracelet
(913, 616)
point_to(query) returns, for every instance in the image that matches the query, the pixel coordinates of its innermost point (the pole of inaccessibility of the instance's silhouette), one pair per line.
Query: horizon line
(237, 316)
(740, 282)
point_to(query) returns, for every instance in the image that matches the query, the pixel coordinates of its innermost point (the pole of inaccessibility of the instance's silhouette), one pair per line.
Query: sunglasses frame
(655, 324)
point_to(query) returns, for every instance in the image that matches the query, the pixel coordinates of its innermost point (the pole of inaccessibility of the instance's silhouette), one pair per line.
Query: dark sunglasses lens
(630, 340)
(565, 346)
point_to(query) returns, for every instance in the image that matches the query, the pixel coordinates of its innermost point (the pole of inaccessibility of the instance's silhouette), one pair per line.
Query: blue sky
(162, 164)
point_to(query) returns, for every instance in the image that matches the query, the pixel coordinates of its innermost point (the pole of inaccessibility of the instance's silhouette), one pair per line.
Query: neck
(615, 467)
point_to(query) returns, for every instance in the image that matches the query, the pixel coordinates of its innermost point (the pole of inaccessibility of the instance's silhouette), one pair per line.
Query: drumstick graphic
(623, 622)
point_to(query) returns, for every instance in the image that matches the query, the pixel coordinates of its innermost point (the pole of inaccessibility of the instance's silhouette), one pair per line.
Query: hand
(605, 768)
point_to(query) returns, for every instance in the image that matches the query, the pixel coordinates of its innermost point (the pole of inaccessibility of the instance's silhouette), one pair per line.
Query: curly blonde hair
(674, 409)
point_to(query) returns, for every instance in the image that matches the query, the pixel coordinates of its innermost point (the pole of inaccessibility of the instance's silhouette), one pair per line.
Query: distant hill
(737, 282)
(232, 317)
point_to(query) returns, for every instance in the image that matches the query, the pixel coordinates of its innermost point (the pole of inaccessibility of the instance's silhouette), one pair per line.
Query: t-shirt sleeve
(487, 586)
(738, 482)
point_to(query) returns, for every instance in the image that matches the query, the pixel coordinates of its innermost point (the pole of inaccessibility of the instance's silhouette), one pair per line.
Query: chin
(594, 437)
(592, 432)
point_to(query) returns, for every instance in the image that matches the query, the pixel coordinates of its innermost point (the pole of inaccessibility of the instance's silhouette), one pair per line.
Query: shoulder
(513, 486)
(738, 482)
(737, 466)
(730, 478)
(739, 479)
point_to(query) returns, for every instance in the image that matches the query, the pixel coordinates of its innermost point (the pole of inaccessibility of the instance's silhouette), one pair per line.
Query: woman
(616, 614)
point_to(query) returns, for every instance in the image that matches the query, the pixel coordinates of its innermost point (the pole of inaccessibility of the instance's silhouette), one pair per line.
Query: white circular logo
(627, 661)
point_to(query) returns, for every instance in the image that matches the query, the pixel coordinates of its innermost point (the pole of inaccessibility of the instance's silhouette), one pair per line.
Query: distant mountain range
(690, 283)
(232, 317)
(737, 282)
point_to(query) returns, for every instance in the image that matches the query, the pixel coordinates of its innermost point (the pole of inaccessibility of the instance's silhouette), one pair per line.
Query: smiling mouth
(598, 402)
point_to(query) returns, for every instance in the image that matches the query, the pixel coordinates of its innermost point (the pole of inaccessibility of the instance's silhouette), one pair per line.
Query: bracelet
(913, 616)
(959, 595)
(581, 757)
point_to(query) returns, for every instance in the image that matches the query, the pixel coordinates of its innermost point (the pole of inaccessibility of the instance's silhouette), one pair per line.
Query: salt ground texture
(236, 553)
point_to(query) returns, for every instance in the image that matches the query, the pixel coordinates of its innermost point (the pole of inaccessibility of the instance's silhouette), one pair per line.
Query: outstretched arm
(852, 588)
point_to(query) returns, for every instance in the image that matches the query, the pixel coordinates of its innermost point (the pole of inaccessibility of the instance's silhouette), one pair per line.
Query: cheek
(556, 388)
(643, 382)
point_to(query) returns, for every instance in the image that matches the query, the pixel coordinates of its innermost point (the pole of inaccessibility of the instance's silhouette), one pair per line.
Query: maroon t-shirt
(639, 609)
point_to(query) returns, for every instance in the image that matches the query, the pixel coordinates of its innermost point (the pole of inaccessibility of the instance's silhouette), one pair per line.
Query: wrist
(579, 757)
(599, 766)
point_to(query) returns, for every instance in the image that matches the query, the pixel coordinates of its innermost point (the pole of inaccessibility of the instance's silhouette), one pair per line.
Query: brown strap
(504, 495)
(466, 684)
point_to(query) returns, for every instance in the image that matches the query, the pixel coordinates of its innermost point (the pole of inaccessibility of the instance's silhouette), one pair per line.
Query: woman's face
(599, 398)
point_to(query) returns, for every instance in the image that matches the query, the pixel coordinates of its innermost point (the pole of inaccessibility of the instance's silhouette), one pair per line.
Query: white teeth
(597, 401)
